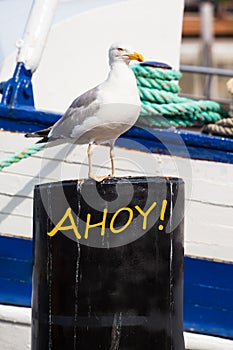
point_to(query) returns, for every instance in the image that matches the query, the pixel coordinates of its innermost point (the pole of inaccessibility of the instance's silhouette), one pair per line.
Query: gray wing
(86, 105)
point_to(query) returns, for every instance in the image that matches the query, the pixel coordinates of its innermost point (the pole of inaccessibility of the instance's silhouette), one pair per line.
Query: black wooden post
(108, 265)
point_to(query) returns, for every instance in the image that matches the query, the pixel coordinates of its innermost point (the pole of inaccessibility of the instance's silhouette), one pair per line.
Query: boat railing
(209, 72)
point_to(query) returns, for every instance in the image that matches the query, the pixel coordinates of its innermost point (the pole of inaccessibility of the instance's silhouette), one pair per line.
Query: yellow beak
(135, 56)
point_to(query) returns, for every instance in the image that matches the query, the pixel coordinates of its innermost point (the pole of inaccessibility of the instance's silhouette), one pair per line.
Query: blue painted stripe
(8, 268)
(29, 117)
(208, 287)
(180, 142)
(17, 248)
(182, 136)
(208, 297)
(13, 125)
(176, 149)
(15, 271)
(15, 292)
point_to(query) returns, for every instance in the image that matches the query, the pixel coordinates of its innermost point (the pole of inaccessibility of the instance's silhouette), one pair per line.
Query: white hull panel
(209, 200)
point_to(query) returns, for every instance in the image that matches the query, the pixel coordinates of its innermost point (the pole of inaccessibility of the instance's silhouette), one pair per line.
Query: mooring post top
(114, 180)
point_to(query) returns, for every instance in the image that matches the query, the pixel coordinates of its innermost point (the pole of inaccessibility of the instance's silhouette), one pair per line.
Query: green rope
(185, 108)
(157, 84)
(161, 105)
(156, 73)
(159, 96)
(17, 157)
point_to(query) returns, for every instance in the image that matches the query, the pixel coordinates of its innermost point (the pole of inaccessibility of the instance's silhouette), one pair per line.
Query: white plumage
(103, 113)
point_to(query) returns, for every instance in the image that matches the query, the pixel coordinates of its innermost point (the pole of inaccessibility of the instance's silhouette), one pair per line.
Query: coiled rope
(224, 127)
(163, 107)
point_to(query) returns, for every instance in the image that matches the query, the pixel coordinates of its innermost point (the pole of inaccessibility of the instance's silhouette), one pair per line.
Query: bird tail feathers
(41, 133)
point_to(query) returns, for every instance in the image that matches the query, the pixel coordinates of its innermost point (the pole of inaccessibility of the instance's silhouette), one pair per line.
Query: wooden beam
(222, 26)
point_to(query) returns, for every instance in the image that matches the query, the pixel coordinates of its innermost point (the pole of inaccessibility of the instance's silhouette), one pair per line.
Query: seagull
(102, 114)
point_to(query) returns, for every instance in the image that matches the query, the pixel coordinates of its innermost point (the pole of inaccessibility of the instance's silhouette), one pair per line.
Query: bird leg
(89, 153)
(112, 155)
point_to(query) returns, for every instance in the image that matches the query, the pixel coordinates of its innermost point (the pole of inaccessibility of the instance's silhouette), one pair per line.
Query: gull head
(123, 53)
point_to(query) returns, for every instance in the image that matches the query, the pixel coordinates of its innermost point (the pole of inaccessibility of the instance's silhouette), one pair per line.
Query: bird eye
(120, 49)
